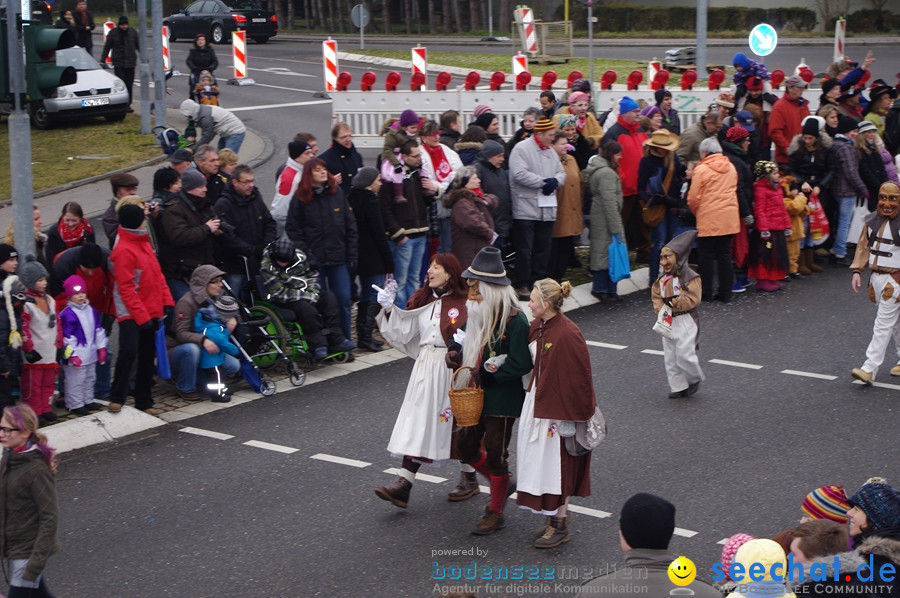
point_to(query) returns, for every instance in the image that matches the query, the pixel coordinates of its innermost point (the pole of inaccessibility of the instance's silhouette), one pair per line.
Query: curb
(104, 427)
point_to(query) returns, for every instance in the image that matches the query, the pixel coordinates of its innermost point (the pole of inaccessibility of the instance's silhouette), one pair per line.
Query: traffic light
(41, 73)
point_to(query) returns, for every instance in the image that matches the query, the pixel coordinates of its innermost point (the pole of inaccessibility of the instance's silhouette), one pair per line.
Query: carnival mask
(889, 200)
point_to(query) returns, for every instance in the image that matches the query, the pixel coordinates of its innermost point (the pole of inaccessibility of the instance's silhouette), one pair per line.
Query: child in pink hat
(84, 346)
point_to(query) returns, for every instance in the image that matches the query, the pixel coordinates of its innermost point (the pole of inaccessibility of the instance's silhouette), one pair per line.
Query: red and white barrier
(653, 67)
(519, 64)
(840, 31)
(420, 64)
(167, 61)
(239, 44)
(329, 56)
(107, 27)
(525, 18)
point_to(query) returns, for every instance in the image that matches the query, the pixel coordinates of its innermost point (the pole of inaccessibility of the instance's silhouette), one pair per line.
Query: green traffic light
(41, 73)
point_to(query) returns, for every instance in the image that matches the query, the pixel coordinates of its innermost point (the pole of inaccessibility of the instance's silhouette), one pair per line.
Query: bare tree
(474, 15)
(431, 28)
(307, 9)
(320, 15)
(505, 16)
(457, 17)
(832, 9)
(387, 16)
(447, 13)
(408, 15)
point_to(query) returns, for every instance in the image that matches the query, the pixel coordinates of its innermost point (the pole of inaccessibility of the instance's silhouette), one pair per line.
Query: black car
(219, 18)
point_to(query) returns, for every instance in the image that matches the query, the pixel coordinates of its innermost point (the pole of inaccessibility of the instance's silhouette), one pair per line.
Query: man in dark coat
(342, 158)
(495, 180)
(207, 160)
(248, 225)
(124, 43)
(84, 25)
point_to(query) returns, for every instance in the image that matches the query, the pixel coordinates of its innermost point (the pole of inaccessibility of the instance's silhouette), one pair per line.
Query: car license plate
(259, 20)
(95, 102)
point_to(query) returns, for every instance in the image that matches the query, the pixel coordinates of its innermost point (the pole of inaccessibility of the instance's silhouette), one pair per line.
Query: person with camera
(248, 227)
(188, 232)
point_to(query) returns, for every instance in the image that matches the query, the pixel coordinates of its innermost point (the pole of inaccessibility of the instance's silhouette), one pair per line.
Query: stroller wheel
(341, 357)
(298, 377)
(266, 387)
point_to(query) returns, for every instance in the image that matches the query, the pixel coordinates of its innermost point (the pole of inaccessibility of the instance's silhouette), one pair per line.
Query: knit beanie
(480, 109)
(827, 502)
(626, 104)
(226, 307)
(74, 285)
(283, 250)
(192, 179)
(123, 20)
(741, 60)
(544, 124)
(484, 120)
(578, 96)
(647, 521)
(829, 84)
(811, 125)
(754, 84)
(90, 255)
(7, 252)
(729, 550)
(880, 502)
(131, 216)
(845, 124)
(408, 118)
(661, 94)
(364, 177)
(866, 125)
(31, 271)
(735, 134)
(650, 110)
(491, 148)
(296, 148)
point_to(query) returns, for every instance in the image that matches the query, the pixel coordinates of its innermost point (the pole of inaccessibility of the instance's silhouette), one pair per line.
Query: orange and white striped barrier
(653, 67)
(529, 34)
(329, 57)
(239, 49)
(167, 61)
(420, 64)
(519, 64)
(107, 27)
(840, 30)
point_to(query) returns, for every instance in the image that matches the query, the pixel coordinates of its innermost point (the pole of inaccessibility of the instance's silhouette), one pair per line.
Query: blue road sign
(763, 39)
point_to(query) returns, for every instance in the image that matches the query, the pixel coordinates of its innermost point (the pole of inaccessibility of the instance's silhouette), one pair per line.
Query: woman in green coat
(606, 219)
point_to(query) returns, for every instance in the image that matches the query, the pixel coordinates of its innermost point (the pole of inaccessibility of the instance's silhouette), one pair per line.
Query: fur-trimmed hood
(848, 563)
(456, 195)
(797, 142)
(886, 546)
(468, 145)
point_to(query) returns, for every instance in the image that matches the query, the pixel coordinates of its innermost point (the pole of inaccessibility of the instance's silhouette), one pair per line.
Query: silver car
(96, 92)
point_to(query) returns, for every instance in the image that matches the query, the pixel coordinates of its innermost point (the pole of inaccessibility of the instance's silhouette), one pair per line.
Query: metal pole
(159, 76)
(144, 67)
(19, 136)
(590, 7)
(490, 18)
(362, 29)
(702, 6)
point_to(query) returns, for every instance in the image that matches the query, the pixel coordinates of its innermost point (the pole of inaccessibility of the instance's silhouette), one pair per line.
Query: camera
(226, 226)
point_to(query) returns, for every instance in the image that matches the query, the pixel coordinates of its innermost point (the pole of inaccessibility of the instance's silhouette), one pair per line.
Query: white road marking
(288, 105)
(606, 345)
(652, 352)
(297, 89)
(723, 541)
(587, 511)
(339, 460)
(737, 364)
(809, 374)
(271, 447)
(279, 70)
(419, 476)
(880, 385)
(685, 533)
(206, 433)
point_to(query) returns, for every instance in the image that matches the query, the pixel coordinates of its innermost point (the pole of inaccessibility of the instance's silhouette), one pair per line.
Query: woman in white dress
(423, 331)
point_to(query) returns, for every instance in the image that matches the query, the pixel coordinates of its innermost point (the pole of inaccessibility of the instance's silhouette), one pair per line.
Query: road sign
(359, 16)
(763, 39)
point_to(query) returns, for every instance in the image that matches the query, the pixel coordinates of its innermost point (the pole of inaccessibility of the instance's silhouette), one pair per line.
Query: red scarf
(441, 165)
(477, 191)
(540, 145)
(74, 236)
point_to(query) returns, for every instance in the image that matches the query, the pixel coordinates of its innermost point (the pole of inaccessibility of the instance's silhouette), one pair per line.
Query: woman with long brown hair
(72, 230)
(321, 225)
(423, 331)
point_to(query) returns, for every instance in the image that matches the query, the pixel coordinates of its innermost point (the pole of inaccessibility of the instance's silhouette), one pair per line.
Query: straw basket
(466, 402)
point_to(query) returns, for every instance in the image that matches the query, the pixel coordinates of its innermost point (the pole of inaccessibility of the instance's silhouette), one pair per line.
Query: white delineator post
(107, 27)
(519, 64)
(167, 62)
(653, 67)
(239, 48)
(420, 62)
(840, 30)
(329, 57)
(530, 35)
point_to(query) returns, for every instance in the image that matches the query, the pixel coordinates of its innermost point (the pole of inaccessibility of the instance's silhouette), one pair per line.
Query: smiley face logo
(682, 571)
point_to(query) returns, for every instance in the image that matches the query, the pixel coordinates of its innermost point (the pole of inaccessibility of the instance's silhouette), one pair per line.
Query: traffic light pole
(159, 75)
(19, 136)
(145, 67)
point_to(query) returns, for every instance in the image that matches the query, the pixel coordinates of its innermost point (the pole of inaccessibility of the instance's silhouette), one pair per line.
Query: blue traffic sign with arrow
(763, 39)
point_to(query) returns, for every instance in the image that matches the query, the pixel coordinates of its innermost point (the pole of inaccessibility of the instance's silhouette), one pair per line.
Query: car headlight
(118, 85)
(62, 92)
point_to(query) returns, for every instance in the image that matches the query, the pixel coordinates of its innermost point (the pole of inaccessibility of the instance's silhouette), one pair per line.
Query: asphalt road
(174, 513)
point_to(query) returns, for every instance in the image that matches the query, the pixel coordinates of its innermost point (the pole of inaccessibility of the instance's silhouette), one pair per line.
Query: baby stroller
(204, 89)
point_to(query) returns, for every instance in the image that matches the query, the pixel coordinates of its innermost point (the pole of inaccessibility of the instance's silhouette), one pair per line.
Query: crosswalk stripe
(737, 364)
(809, 374)
(206, 433)
(606, 345)
(339, 460)
(419, 476)
(652, 352)
(271, 447)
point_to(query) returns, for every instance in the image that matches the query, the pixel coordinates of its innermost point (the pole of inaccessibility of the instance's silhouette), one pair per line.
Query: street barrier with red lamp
(807, 75)
(343, 81)
(573, 76)
(688, 79)
(548, 79)
(442, 80)
(659, 80)
(416, 81)
(472, 80)
(522, 81)
(716, 78)
(367, 81)
(392, 81)
(776, 77)
(607, 80)
(634, 79)
(497, 80)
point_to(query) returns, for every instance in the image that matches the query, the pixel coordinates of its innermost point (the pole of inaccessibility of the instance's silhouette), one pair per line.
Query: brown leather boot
(554, 535)
(466, 488)
(811, 261)
(397, 493)
(489, 523)
(803, 262)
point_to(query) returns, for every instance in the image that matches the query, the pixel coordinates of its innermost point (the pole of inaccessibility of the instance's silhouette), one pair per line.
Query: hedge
(652, 18)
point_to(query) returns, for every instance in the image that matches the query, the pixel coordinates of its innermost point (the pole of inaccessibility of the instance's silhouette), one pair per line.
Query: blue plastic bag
(163, 368)
(619, 268)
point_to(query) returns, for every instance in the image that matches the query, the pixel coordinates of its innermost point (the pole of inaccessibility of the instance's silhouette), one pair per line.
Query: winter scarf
(75, 235)
(442, 168)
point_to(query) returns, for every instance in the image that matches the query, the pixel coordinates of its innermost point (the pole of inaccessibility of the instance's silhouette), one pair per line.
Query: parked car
(96, 92)
(219, 18)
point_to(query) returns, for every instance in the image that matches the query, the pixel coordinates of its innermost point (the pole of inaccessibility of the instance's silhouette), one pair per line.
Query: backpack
(167, 138)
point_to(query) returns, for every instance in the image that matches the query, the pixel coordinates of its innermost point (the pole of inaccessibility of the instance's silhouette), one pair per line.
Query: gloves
(749, 220)
(101, 356)
(765, 234)
(148, 325)
(453, 359)
(385, 297)
(550, 186)
(32, 356)
(787, 232)
(75, 360)
(459, 337)
(398, 168)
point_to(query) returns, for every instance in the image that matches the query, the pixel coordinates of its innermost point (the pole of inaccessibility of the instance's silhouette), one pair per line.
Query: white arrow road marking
(288, 105)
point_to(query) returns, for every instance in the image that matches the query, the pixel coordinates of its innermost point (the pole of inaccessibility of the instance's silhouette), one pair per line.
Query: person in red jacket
(768, 251)
(140, 294)
(787, 116)
(628, 134)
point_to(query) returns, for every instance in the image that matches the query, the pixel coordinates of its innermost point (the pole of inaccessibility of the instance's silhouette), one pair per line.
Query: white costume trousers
(887, 296)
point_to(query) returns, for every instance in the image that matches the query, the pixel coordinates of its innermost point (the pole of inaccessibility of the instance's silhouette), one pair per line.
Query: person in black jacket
(84, 25)
(342, 158)
(248, 225)
(124, 43)
(660, 162)
(871, 163)
(71, 230)
(495, 180)
(201, 57)
(737, 149)
(375, 257)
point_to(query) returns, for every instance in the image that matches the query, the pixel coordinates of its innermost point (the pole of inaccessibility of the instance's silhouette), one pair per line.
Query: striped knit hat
(729, 550)
(827, 502)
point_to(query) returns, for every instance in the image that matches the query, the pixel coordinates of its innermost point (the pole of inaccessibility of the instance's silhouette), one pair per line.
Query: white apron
(539, 469)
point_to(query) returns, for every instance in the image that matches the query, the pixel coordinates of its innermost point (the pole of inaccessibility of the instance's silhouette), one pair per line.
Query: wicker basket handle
(472, 379)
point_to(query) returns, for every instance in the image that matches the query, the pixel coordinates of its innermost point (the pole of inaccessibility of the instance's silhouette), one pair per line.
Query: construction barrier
(525, 19)
(519, 64)
(329, 57)
(239, 43)
(167, 61)
(420, 65)
(840, 31)
(107, 27)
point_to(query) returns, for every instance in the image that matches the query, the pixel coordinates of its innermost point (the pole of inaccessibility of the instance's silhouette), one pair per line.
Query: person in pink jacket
(713, 200)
